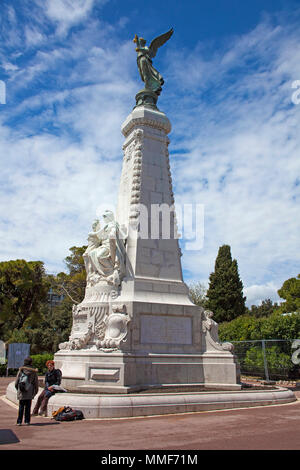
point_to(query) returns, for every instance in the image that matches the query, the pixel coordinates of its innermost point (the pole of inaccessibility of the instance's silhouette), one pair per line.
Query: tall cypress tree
(225, 292)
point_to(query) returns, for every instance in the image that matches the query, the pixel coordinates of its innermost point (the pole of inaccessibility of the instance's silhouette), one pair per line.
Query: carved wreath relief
(115, 330)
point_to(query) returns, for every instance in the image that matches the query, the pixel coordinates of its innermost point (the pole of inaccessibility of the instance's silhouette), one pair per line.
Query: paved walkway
(267, 427)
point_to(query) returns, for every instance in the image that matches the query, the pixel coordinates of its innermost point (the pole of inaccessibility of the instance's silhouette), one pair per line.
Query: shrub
(279, 363)
(246, 328)
(3, 369)
(242, 328)
(39, 362)
(276, 327)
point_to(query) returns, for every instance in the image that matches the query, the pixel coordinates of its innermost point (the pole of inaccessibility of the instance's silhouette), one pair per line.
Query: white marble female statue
(104, 257)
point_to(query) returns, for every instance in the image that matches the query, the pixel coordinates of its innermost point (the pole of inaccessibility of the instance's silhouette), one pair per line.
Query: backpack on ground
(24, 383)
(55, 413)
(67, 414)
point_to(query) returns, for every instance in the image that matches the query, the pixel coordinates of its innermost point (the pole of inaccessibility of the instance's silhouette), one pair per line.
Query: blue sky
(69, 68)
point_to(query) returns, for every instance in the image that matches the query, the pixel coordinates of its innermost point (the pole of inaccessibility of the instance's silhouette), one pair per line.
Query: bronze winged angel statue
(150, 76)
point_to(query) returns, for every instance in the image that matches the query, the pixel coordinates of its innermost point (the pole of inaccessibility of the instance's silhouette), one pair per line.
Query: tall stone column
(162, 316)
(146, 208)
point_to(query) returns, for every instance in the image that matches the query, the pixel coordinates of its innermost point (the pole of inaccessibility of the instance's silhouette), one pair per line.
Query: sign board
(2, 352)
(16, 354)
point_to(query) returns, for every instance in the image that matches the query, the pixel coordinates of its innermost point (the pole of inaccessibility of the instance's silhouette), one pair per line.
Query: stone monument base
(97, 406)
(149, 345)
(116, 372)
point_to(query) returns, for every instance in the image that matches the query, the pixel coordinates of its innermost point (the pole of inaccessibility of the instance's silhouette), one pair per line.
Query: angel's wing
(159, 41)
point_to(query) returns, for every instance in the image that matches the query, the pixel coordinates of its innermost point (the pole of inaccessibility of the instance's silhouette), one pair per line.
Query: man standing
(27, 385)
(52, 377)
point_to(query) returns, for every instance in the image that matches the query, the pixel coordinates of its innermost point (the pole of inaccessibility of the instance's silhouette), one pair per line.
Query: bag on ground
(55, 413)
(67, 414)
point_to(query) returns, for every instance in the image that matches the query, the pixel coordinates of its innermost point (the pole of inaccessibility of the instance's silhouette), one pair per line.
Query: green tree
(197, 292)
(56, 323)
(23, 289)
(72, 284)
(54, 328)
(264, 310)
(290, 291)
(26, 315)
(225, 292)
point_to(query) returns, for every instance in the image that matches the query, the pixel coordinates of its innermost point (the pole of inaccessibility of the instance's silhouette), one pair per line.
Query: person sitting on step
(52, 377)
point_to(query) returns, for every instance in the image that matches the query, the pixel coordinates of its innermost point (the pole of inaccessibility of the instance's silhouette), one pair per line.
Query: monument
(136, 328)
(138, 345)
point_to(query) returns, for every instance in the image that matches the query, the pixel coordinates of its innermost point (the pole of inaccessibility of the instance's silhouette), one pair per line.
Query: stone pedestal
(145, 332)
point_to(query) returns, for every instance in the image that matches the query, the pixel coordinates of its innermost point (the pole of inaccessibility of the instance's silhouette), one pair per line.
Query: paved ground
(268, 427)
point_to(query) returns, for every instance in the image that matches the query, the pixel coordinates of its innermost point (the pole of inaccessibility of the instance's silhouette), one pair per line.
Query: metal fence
(271, 359)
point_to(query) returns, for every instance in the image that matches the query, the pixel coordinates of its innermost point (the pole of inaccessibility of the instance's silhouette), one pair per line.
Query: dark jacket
(52, 378)
(33, 380)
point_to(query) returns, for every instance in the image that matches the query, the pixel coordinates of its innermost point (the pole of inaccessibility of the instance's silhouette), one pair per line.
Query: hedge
(39, 361)
(274, 327)
(246, 328)
(278, 361)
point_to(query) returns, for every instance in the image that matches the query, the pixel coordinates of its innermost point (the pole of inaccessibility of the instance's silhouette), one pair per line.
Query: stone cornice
(142, 116)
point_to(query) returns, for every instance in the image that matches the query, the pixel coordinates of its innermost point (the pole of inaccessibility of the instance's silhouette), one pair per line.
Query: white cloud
(33, 36)
(9, 67)
(52, 182)
(239, 156)
(257, 293)
(42, 207)
(67, 13)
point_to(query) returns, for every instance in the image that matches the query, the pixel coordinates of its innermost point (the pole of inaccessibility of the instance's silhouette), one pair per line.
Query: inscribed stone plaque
(165, 329)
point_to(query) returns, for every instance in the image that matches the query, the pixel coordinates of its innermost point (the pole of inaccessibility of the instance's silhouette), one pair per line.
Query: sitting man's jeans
(42, 401)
